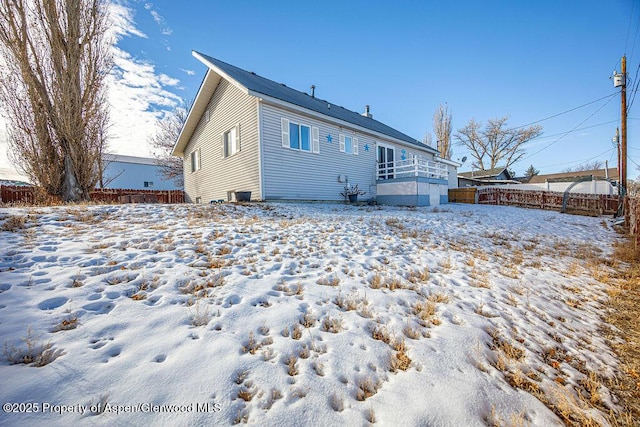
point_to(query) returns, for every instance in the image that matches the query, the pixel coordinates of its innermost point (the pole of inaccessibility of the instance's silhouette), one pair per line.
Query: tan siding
(228, 107)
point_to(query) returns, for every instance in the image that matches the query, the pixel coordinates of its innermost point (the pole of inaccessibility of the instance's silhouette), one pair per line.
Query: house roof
(262, 87)
(129, 159)
(574, 176)
(485, 174)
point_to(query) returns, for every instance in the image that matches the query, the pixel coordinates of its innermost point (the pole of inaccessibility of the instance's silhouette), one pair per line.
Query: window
(148, 184)
(348, 144)
(231, 141)
(195, 160)
(300, 137)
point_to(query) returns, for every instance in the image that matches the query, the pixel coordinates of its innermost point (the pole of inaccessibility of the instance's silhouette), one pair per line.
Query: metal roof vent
(366, 112)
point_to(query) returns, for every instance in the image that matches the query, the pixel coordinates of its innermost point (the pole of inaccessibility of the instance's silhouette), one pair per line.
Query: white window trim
(196, 160)
(236, 143)
(343, 144)
(314, 136)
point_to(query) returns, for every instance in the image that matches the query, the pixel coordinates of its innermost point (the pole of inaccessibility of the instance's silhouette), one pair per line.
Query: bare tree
(167, 133)
(427, 139)
(495, 143)
(588, 166)
(52, 90)
(442, 128)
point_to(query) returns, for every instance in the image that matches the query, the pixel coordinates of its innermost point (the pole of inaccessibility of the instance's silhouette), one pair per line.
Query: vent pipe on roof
(366, 112)
(313, 91)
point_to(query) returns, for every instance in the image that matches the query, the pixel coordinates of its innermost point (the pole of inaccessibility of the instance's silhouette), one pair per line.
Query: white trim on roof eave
(189, 124)
(342, 123)
(219, 71)
(449, 162)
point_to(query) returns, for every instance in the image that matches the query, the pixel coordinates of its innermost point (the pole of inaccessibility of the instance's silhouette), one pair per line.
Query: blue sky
(528, 60)
(486, 59)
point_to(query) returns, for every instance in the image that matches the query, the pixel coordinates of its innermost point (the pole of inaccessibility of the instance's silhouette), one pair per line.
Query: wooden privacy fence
(463, 195)
(26, 194)
(633, 207)
(588, 204)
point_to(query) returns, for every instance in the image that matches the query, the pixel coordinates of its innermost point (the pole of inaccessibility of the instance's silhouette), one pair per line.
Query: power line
(568, 111)
(580, 161)
(570, 131)
(635, 90)
(626, 41)
(574, 130)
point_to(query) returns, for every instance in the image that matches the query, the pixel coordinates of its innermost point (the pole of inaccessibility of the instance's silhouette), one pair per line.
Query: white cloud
(188, 72)
(122, 21)
(138, 99)
(168, 81)
(138, 95)
(162, 23)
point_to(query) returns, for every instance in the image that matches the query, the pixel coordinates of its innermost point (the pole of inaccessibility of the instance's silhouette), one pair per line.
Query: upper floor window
(195, 160)
(300, 137)
(231, 141)
(348, 144)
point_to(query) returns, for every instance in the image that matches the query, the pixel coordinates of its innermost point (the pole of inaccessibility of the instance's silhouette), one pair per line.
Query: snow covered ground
(301, 314)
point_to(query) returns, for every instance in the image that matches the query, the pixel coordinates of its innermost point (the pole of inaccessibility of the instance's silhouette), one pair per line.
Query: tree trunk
(71, 190)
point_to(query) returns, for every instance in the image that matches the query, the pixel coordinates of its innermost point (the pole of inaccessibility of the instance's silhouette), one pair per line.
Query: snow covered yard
(294, 314)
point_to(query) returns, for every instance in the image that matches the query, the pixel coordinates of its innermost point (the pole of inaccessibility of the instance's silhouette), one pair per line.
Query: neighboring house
(136, 173)
(495, 176)
(246, 133)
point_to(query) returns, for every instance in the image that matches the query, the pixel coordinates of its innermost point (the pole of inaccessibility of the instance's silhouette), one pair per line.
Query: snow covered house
(246, 133)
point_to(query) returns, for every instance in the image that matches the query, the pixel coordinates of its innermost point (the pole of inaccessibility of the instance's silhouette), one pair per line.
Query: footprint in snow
(152, 301)
(160, 358)
(113, 352)
(232, 300)
(4, 287)
(101, 307)
(52, 303)
(99, 343)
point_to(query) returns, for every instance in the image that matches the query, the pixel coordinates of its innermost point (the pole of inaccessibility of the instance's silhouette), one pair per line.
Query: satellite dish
(464, 159)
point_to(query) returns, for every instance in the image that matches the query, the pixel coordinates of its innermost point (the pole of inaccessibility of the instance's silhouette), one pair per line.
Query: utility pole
(617, 142)
(623, 125)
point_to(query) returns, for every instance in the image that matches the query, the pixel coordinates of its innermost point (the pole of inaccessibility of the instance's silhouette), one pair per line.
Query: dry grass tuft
(66, 324)
(399, 361)
(307, 320)
(366, 388)
(506, 346)
(34, 352)
(381, 333)
(292, 368)
(333, 325)
(14, 223)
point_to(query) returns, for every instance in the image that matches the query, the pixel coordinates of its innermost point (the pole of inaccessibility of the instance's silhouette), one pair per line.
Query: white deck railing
(415, 167)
